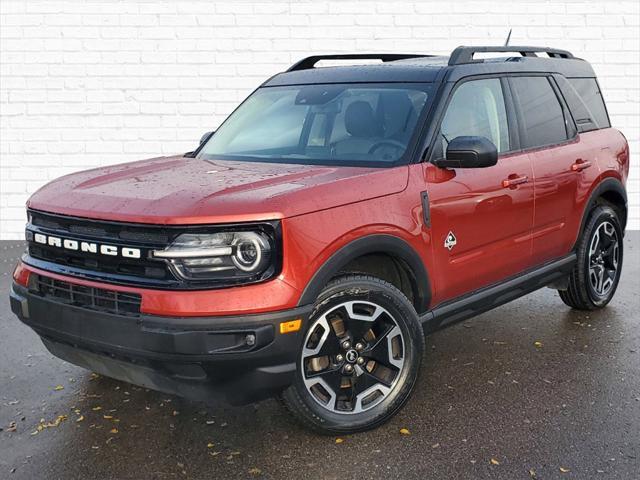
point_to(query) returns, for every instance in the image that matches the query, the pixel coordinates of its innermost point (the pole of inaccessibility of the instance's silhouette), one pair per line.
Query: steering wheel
(388, 142)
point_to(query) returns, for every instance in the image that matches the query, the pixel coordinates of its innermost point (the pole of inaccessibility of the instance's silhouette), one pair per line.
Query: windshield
(350, 124)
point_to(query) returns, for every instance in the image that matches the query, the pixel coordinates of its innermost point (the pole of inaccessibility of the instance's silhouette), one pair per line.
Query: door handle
(580, 165)
(514, 180)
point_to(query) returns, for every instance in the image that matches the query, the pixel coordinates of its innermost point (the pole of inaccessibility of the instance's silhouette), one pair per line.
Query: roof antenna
(506, 43)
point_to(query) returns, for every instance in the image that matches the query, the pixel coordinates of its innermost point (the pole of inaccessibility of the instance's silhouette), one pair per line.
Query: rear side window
(541, 113)
(588, 110)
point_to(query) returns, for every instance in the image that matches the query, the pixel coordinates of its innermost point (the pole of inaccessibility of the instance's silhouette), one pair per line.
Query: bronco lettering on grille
(89, 247)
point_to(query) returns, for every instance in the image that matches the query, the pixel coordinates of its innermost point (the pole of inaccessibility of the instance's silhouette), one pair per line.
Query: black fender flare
(609, 184)
(385, 244)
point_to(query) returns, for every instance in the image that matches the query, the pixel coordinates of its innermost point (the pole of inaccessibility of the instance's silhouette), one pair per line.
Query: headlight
(230, 256)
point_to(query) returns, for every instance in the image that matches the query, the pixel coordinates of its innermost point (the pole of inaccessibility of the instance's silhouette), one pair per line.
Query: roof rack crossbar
(309, 62)
(462, 55)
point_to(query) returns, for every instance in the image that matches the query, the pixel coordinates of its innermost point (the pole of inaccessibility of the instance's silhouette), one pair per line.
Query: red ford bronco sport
(334, 219)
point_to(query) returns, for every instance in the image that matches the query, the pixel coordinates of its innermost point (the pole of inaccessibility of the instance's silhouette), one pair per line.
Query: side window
(476, 109)
(587, 89)
(541, 113)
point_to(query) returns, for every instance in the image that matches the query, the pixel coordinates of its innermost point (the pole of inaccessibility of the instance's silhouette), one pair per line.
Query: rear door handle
(580, 165)
(514, 180)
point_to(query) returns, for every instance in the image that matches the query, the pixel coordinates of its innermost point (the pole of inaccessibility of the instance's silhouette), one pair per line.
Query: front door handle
(580, 165)
(514, 180)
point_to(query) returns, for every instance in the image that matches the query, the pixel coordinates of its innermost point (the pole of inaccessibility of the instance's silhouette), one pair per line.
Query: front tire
(360, 358)
(595, 277)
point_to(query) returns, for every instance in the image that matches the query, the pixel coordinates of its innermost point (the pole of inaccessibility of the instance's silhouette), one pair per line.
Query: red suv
(334, 219)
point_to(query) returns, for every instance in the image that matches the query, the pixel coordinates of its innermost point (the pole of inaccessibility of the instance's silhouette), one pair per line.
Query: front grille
(144, 271)
(87, 260)
(100, 299)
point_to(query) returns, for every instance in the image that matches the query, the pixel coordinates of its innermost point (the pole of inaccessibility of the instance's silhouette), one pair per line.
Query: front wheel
(595, 277)
(360, 358)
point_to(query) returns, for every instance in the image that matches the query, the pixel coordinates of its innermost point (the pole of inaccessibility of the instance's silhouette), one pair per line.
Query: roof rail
(309, 62)
(463, 54)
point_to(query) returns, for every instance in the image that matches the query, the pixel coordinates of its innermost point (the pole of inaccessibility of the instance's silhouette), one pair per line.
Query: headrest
(360, 121)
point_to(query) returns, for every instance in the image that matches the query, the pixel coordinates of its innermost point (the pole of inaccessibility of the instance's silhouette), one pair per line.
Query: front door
(481, 217)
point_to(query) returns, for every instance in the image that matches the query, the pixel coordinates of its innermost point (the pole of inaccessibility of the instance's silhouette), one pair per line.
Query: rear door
(481, 217)
(559, 159)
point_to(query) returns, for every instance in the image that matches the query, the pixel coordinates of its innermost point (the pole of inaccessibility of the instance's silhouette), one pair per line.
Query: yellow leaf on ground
(405, 431)
(494, 462)
(210, 445)
(255, 471)
(113, 430)
(107, 417)
(58, 387)
(339, 440)
(537, 344)
(564, 470)
(80, 418)
(95, 409)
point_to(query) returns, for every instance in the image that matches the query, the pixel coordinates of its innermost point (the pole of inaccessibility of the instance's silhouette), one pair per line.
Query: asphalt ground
(529, 390)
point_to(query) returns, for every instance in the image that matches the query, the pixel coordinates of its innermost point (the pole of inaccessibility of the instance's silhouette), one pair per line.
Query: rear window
(541, 113)
(586, 103)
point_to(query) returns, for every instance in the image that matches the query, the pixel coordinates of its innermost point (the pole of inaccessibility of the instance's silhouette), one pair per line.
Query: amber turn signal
(290, 326)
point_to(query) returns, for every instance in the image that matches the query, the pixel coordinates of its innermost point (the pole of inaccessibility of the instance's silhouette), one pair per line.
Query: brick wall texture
(91, 83)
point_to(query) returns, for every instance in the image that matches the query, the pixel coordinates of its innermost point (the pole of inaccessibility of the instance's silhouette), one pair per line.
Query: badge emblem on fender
(450, 241)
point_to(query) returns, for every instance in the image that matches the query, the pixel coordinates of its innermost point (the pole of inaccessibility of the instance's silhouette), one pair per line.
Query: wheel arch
(609, 191)
(374, 246)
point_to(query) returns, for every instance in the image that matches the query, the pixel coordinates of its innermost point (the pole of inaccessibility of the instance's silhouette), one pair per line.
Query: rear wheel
(360, 358)
(595, 277)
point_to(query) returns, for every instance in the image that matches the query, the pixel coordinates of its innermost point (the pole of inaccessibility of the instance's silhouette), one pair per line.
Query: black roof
(428, 68)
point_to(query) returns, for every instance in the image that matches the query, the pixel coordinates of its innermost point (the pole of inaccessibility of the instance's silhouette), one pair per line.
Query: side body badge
(450, 241)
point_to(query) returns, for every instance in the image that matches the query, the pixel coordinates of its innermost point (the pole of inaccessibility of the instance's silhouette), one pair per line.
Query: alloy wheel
(352, 357)
(604, 256)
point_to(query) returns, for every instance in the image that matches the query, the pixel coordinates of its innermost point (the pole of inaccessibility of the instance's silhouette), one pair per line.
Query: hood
(181, 190)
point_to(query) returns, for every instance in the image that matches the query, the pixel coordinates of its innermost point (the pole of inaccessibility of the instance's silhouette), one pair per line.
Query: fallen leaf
(255, 471)
(54, 423)
(113, 430)
(494, 462)
(107, 417)
(176, 413)
(95, 409)
(58, 387)
(405, 431)
(80, 419)
(339, 440)
(210, 445)
(564, 470)
(435, 445)
(537, 344)
(12, 427)
(532, 472)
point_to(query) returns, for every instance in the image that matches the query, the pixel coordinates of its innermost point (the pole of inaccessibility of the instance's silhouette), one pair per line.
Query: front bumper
(240, 359)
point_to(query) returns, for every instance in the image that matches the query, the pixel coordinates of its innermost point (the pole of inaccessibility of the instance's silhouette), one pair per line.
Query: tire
(388, 342)
(599, 262)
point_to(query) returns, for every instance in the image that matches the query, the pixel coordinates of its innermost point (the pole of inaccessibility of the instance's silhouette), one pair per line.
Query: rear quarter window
(591, 100)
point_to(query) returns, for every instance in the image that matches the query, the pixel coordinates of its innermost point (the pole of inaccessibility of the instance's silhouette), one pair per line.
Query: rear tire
(595, 277)
(360, 358)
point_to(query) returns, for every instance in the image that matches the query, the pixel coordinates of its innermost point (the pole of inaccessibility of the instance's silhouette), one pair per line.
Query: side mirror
(469, 152)
(206, 137)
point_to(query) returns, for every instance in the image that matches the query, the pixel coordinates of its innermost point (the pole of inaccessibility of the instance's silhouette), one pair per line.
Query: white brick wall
(89, 83)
